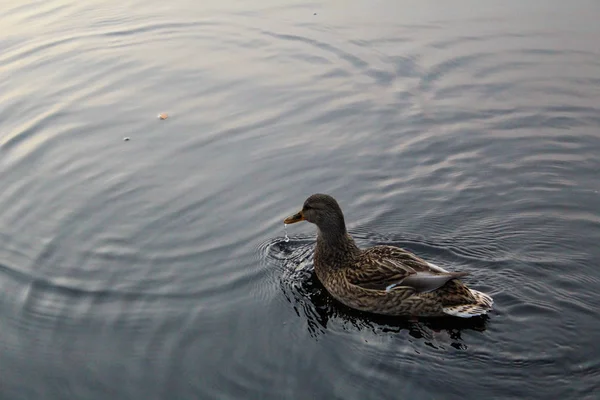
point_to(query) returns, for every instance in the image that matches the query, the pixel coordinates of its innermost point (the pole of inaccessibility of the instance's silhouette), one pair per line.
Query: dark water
(157, 268)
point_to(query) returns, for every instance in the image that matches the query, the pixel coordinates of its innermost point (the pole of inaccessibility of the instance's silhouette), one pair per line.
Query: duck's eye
(307, 207)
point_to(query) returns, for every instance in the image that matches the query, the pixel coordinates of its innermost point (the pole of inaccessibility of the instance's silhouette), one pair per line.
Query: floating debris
(126, 139)
(163, 116)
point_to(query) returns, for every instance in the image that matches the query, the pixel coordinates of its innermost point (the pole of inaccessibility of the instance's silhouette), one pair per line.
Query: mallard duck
(382, 279)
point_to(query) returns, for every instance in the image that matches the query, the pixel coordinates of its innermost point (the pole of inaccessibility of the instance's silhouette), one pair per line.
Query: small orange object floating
(163, 116)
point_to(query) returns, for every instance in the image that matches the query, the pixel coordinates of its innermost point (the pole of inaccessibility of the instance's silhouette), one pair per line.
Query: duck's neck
(335, 248)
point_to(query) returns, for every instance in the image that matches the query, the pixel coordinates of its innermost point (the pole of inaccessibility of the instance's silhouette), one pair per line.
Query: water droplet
(286, 238)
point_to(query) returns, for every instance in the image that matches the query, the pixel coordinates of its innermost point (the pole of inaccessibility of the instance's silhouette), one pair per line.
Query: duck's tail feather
(483, 299)
(483, 303)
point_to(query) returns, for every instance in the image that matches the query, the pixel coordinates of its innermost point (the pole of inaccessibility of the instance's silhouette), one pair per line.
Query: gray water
(156, 268)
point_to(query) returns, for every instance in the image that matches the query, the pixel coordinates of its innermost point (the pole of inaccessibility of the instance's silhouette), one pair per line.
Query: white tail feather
(483, 304)
(483, 298)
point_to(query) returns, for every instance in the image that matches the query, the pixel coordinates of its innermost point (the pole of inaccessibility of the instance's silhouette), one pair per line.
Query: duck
(383, 279)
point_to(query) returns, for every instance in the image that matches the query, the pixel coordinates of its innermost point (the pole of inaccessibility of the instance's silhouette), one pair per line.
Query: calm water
(157, 268)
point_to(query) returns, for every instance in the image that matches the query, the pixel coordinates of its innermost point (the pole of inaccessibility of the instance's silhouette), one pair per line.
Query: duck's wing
(391, 268)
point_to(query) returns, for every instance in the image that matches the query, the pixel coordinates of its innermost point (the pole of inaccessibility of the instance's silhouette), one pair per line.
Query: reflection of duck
(383, 279)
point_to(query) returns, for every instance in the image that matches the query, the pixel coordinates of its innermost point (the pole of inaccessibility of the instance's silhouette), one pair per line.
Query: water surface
(157, 267)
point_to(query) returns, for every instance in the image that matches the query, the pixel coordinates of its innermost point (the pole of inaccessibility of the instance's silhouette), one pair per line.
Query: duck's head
(321, 210)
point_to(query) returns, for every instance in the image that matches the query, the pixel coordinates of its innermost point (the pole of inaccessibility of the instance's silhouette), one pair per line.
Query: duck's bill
(292, 219)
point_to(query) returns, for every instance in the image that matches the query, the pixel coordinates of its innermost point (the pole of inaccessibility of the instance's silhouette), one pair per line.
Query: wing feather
(391, 268)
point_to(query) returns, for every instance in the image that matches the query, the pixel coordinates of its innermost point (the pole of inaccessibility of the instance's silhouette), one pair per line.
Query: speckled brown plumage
(383, 279)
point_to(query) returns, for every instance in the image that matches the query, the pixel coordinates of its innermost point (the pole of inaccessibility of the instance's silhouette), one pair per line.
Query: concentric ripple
(157, 267)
